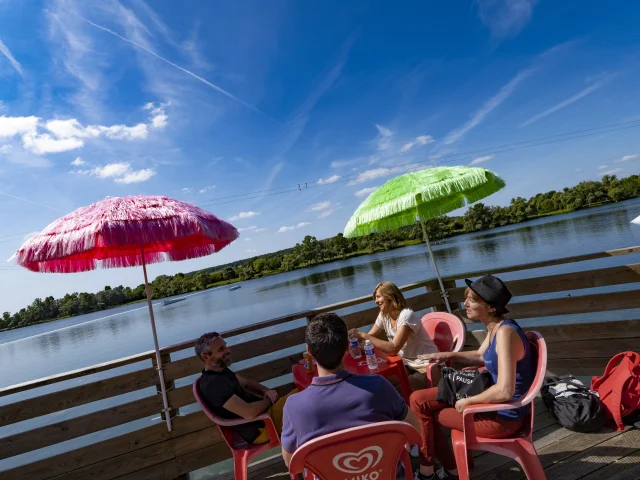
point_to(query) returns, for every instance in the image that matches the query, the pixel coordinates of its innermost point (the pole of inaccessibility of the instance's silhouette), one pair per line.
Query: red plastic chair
(447, 331)
(370, 451)
(519, 447)
(242, 451)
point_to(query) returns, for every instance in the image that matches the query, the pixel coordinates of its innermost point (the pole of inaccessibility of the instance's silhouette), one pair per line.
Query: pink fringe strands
(116, 231)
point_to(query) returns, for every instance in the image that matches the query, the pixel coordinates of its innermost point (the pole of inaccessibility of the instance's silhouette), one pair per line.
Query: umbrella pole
(445, 296)
(163, 388)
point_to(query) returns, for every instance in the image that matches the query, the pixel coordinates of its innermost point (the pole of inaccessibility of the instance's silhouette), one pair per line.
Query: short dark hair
(202, 345)
(327, 339)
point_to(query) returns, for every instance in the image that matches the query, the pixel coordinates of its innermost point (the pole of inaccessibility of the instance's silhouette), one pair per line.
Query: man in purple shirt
(336, 399)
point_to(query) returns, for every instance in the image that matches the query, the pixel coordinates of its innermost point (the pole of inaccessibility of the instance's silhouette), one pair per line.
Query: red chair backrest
(446, 330)
(370, 451)
(539, 358)
(227, 433)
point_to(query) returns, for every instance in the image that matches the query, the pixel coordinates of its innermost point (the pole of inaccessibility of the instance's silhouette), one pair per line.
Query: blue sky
(203, 101)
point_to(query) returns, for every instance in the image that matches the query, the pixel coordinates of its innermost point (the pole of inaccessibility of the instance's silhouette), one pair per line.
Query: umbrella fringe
(430, 201)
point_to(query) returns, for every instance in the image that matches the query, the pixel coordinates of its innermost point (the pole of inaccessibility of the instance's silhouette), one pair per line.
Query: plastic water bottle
(354, 348)
(370, 353)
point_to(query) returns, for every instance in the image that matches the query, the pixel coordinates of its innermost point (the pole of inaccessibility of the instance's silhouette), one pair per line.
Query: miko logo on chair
(362, 464)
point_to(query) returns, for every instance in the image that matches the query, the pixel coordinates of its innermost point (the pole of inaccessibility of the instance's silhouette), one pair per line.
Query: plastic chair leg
(532, 467)
(460, 452)
(240, 466)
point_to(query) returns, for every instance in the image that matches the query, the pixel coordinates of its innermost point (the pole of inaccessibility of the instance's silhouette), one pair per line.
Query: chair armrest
(469, 412)
(241, 421)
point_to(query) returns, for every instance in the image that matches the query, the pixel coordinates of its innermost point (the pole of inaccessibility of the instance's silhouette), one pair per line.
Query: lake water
(63, 345)
(46, 349)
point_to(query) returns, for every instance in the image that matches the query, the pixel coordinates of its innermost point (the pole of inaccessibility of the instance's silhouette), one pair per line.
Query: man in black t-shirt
(231, 396)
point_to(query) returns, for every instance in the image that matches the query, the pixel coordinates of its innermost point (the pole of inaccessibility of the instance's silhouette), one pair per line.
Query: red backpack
(619, 387)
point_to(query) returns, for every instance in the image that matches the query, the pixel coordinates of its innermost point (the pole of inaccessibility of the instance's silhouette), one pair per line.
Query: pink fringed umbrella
(127, 232)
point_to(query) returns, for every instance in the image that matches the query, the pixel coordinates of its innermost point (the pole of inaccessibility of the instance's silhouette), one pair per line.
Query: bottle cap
(367, 342)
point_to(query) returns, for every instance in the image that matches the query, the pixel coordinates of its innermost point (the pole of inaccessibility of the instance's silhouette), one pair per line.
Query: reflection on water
(74, 343)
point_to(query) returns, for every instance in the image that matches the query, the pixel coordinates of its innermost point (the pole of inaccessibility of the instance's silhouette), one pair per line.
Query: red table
(388, 366)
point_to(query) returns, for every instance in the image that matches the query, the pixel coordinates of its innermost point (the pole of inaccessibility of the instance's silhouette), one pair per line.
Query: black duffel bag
(457, 384)
(574, 406)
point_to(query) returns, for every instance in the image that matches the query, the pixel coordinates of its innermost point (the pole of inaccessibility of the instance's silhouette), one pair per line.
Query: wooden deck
(565, 455)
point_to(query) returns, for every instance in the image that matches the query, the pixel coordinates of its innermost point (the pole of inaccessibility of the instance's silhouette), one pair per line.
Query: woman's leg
(425, 406)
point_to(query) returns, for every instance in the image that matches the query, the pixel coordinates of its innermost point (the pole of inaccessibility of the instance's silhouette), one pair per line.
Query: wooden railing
(151, 452)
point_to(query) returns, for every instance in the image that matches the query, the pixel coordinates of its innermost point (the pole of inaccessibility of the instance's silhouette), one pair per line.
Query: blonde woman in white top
(406, 337)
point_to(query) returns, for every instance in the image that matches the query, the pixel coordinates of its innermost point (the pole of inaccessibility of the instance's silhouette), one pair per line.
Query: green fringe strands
(419, 196)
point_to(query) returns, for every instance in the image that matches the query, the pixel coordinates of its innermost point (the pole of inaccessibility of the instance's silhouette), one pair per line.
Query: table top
(355, 366)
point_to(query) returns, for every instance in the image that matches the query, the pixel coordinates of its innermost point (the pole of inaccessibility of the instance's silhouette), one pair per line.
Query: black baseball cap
(492, 290)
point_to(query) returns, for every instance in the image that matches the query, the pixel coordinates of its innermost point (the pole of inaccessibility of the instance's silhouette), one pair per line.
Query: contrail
(29, 201)
(197, 77)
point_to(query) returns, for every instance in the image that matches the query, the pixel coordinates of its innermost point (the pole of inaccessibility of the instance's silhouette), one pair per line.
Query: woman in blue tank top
(504, 350)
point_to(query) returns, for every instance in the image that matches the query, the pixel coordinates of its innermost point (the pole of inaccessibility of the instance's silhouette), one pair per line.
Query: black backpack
(574, 406)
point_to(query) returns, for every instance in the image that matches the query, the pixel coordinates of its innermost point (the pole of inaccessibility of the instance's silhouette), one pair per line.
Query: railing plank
(567, 281)
(545, 263)
(78, 426)
(603, 331)
(147, 457)
(73, 397)
(81, 372)
(113, 447)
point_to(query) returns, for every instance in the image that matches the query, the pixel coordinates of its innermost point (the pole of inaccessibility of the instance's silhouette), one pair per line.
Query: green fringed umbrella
(419, 196)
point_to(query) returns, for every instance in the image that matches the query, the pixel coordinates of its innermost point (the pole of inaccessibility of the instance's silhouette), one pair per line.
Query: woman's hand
(460, 404)
(354, 332)
(437, 358)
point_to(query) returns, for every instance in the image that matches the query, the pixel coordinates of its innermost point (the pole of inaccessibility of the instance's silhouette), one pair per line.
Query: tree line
(311, 251)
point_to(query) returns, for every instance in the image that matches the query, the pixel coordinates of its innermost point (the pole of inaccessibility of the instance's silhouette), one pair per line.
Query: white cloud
(187, 190)
(253, 227)
(505, 18)
(122, 132)
(5, 148)
(326, 208)
(247, 239)
(479, 160)
(370, 175)
(78, 162)
(419, 141)
(261, 229)
(384, 137)
(251, 251)
(603, 167)
(243, 215)
(137, 176)
(565, 103)
(120, 172)
(65, 135)
(489, 106)
(328, 180)
(610, 172)
(627, 158)
(206, 189)
(71, 128)
(45, 143)
(320, 206)
(159, 118)
(579, 169)
(12, 126)
(365, 191)
(111, 170)
(7, 53)
(293, 227)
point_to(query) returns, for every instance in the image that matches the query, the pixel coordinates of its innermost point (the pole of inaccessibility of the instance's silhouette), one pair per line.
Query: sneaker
(442, 474)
